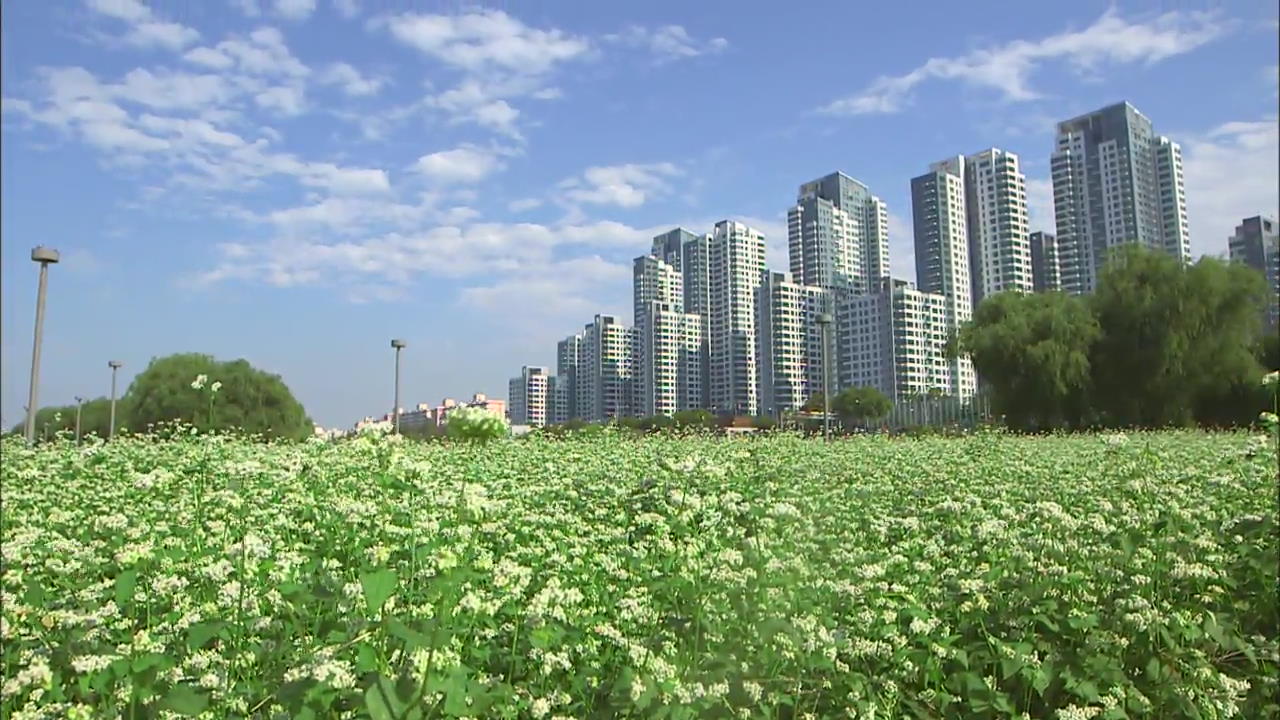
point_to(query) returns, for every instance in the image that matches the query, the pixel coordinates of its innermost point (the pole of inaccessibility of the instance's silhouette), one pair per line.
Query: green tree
(813, 404)
(857, 405)
(1176, 342)
(247, 400)
(1034, 353)
(95, 417)
(694, 419)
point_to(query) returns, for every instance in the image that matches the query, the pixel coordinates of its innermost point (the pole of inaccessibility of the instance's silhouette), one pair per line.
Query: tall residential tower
(1115, 182)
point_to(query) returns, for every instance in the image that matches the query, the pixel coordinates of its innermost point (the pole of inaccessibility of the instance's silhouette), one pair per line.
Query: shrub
(476, 424)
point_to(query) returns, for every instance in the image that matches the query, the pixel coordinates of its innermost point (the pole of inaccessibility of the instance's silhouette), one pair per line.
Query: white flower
(1271, 379)
(216, 386)
(199, 382)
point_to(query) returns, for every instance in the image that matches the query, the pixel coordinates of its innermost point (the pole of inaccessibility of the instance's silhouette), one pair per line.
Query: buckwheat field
(993, 576)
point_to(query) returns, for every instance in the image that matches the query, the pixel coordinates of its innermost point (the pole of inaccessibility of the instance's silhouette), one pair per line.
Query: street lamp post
(114, 365)
(824, 322)
(79, 403)
(398, 345)
(46, 257)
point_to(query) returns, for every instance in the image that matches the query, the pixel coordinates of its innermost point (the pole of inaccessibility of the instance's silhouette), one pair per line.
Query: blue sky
(296, 182)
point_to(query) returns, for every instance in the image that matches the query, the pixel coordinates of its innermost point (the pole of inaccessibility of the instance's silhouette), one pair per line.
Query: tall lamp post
(46, 257)
(114, 365)
(824, 322)
(79, 403)
(398, 345)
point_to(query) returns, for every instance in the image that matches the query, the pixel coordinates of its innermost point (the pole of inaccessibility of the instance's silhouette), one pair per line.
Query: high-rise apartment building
(736, 265)
(527, 396)
(791, 355)
(996, 208)
(603, 381)
(1256, 243)
(668, 360)
(558, 390)
(1046, 273)
(568, 357)
(940, 216)
(838, 235)
(895, 341)
(695, 266)
(1115, 182)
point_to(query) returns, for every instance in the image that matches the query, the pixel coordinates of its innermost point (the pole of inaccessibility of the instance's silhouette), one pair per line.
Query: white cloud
(451, 250)
(350, 80)
(1231, 173)
(295, 9)
(209, 58)
(132, 11)
(146, 30)
(561, 305)
(248, 7)
(169, 35)
(1008, 68)
(465, 164)
(625, 186)
(197, 151)
(288, 100)
(485, 40)
(902, 248)
(262, 52)
(669, 42)
(523, 204)
(1040, 204)
(347, 8)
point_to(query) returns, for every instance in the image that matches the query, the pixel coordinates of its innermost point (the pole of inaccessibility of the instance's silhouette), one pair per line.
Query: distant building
(895, 341)
(605, 372)
(735, 270)
(668, 352)
(528, 395)
(1115, 182)
(1046, 273)
(838, 235)
(790, 343)
(1256, 243)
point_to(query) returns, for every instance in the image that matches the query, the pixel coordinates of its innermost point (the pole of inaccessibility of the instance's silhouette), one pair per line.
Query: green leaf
(1040, 682)
(125, 584)
(34, 596)
(381, 701)
(1153, 669)
(366, 658)
(148, 661)
(378, 586)
(412, 638)
(184, 700)
(198, 635)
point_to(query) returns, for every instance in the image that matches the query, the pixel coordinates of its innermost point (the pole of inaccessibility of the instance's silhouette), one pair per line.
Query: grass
(986, 577)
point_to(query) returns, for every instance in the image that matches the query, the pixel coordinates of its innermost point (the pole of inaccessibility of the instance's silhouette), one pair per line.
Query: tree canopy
(1033, 352)
(247, 399)
(1157, 344)
(856, 405)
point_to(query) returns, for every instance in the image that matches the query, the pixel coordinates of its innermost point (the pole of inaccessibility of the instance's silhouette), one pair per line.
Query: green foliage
(763, 422)
(815, 403)
(1175, 343)
(1033, 351)
(95, 419)
(857, 405)
(703, 419)
(476, 424)
(993, 576)
(248, 400)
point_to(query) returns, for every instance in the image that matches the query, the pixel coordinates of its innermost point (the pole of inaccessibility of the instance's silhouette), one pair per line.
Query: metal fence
(939, 411)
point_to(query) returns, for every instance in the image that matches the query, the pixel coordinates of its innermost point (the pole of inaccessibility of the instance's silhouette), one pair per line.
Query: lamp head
(397, 343)
(42, 254)
(114, 364)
